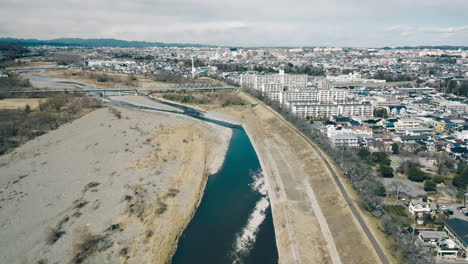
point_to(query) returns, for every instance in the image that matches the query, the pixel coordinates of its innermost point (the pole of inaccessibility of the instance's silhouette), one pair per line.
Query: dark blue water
(226, 207)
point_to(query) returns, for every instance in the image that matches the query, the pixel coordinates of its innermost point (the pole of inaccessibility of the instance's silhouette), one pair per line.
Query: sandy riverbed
(105, 189)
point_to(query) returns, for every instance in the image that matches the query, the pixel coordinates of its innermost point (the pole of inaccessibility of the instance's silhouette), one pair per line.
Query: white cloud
(241, 22)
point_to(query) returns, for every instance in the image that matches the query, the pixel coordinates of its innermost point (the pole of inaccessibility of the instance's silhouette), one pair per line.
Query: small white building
(348, 141)
(419, 207)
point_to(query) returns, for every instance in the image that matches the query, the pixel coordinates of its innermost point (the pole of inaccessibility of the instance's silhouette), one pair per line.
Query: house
(419, 207)
(431, 238)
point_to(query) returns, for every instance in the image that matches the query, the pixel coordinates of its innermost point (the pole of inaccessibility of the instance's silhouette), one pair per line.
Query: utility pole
(466, 196)
(342, 154)
(397, 191)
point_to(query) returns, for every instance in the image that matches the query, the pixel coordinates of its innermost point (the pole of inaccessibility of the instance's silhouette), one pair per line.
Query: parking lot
(456, 213)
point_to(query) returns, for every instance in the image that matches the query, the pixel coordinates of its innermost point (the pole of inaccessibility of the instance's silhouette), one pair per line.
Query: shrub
(54, 234)
(27, 109)
(430, 186)
(461, 180)
(102, 77)
(86, 246)
(438, 179)
(395, 148)
(386, 171)
(416, 174)
(380, 158)
(381, 191)
(364, 154)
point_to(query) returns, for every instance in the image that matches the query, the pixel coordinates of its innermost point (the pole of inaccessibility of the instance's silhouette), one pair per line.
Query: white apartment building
(324, 84)
(457, 107)
(317, 96)
(407, 123)
(348, 141)
(255, 81)
(364, 132)
(314, 109)
(352, 78)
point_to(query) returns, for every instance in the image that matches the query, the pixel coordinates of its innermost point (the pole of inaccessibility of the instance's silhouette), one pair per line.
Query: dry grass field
(20, 103)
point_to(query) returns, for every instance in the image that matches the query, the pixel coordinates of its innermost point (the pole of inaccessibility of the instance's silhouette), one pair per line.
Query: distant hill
(94, 43)
(445, 47)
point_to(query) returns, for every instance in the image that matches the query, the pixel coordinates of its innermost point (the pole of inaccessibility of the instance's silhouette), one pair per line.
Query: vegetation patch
(54, 234)
(221, 99)
(18, 126)
(86, 246)
(398, 210)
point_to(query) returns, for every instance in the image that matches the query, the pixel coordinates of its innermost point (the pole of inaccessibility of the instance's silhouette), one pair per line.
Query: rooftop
(459, 228)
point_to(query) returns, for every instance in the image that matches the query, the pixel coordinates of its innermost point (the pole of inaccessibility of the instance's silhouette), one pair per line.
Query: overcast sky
(351, 23)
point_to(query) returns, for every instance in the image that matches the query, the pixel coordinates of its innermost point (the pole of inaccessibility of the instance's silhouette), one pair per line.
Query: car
(460, 208)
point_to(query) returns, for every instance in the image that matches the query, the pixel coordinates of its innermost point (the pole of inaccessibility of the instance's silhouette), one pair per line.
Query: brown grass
(86, 245)
(20, 103)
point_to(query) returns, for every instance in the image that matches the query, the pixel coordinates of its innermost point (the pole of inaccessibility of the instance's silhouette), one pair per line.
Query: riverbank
(313, 223)
(112, 186)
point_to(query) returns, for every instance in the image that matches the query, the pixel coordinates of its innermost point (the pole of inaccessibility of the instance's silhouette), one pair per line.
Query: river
(233, 223)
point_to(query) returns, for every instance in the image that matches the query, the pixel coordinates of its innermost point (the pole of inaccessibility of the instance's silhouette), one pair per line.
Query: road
(122, 90)
(383, 258)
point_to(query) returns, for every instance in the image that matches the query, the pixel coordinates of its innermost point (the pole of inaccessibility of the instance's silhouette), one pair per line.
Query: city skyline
(354, 23)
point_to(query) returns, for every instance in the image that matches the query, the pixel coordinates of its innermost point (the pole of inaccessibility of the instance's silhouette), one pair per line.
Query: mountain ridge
(95, 42)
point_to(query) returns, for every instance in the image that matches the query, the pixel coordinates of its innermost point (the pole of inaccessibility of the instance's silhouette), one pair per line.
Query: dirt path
(323, 225)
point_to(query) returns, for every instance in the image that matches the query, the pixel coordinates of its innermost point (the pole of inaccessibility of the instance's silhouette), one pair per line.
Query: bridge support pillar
(136, 93)
(104, 94)
(120, 92)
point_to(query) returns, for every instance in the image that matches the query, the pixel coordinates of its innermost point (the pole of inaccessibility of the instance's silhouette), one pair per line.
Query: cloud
(241, 22)
(443, 29)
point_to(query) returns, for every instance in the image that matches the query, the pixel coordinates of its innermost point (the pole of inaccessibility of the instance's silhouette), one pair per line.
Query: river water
(233, 223)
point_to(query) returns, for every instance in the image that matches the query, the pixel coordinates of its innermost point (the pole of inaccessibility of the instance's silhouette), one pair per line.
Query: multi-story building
(255, 81)
(316, 109)
(407, 123)
(320, 96)
(457, 107)
(348, 141)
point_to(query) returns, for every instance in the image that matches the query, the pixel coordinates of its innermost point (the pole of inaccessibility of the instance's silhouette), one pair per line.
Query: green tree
(461, 180)
(438, 179)
(381, 191)
(364, 154)
(395, 148)
(416, 174)
(451, 86)
(386, 171)
(430, 186)
(380, 112)
(380, 158)
(27, 109)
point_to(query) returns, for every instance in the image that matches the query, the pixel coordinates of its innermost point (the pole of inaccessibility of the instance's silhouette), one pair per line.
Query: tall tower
(193, 67)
